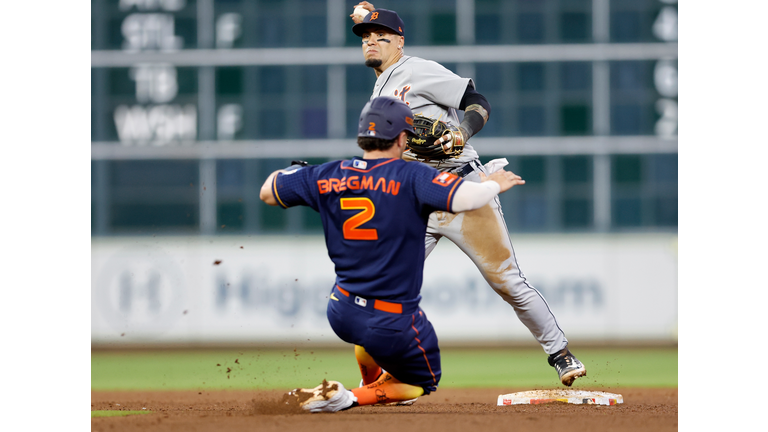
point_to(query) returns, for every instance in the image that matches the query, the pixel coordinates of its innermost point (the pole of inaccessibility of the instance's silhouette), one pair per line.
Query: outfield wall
(274, 289)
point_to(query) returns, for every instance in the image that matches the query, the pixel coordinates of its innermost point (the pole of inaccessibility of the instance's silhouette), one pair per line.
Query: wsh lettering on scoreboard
(155, 120)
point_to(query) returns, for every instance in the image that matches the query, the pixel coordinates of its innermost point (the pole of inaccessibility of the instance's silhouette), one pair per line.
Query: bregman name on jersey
(358, 182)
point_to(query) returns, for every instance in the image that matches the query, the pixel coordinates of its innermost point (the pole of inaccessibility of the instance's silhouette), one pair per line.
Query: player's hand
(447, 140)
(505, 179)
(365, 5)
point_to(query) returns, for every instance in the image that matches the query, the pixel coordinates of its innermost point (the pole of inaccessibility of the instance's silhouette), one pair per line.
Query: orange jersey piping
(423, 351)
(450, 195)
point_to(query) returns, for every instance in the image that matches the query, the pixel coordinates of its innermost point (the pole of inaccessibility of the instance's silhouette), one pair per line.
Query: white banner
(275, 289)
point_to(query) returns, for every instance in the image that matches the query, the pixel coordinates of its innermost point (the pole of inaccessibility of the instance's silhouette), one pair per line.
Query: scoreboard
(179, 71)
(194, 93)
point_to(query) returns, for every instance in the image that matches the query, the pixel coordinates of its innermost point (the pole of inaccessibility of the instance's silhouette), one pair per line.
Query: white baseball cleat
(330, 396)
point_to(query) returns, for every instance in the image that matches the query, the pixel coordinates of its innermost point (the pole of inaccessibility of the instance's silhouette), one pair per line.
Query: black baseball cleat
(568, 367)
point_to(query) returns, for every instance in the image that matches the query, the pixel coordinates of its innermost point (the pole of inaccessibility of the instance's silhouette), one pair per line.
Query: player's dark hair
(372, 144)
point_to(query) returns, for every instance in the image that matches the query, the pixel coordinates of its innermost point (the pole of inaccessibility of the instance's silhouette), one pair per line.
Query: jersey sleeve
(296, 188)
(438, 84)
(434, 188)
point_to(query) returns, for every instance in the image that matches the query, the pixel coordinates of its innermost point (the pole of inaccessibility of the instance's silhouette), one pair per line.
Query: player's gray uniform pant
(482, 234)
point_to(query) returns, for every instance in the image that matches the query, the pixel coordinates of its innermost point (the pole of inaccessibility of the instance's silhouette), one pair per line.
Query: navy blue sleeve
(297, 187)
(434, 188)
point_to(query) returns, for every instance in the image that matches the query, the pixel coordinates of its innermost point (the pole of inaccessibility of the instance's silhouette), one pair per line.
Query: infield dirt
(447, 410)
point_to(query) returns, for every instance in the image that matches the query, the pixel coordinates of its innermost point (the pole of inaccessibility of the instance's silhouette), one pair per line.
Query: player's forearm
(265, 194)
(475, 118)
(476, 112)
(471, 195)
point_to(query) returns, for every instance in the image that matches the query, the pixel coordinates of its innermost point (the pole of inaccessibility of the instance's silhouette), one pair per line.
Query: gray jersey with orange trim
(430, 90)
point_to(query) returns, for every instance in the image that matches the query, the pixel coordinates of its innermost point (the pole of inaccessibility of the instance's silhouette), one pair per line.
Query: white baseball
(360, 11)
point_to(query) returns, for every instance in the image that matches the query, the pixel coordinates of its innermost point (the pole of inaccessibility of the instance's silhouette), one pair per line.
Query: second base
(577, 397)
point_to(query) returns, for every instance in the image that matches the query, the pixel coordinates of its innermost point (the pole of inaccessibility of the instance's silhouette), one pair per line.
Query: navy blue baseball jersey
(374, 214)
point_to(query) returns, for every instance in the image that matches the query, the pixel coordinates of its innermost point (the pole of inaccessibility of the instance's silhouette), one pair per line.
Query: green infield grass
(291, 368)
(115, 413)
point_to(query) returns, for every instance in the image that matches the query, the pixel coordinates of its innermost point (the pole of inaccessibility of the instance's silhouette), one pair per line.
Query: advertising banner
(275, 289)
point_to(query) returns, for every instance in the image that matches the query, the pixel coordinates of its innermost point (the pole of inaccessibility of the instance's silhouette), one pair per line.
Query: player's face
(380, 45)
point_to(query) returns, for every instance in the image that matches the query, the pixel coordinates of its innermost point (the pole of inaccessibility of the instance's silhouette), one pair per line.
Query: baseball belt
(467, 169)
(381, 305)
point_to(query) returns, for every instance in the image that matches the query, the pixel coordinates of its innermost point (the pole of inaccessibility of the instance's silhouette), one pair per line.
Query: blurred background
(195, 102)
